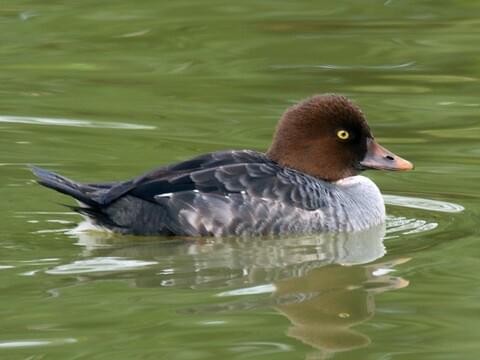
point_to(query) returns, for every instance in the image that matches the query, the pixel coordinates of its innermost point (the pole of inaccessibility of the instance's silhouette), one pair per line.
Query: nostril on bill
(388, 157)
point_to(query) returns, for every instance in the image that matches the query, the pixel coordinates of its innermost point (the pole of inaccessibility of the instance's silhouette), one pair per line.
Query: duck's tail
(95, 201)
(81, 192)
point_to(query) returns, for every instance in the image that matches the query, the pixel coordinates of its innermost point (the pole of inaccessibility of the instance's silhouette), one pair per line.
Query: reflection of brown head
(330, 301)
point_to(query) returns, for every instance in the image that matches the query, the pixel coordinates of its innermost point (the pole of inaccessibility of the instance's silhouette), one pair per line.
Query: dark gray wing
(228, 193)
(161, 180)
(255, 199)
(266, 180)
(225, 173)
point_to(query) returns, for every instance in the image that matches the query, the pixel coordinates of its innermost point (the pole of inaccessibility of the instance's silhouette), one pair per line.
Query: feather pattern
(222, 194)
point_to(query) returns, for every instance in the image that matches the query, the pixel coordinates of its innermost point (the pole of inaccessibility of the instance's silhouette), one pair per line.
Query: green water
(105, 90)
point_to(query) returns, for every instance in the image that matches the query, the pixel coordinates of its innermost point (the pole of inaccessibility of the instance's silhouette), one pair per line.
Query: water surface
(106, 91)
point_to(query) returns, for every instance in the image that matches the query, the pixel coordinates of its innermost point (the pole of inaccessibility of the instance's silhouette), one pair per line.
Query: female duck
(306, 182)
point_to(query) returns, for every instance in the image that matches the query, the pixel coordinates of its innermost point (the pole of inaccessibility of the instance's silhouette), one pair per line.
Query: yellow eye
(343, 134)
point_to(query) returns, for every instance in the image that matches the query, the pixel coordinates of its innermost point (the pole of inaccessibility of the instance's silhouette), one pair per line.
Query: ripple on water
(344, 67)
(72, 122)
(424, 204)
(99, 264)
(10, 344)
(402, 225)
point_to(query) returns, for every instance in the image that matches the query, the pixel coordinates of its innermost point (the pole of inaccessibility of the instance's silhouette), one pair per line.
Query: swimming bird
(307, 181)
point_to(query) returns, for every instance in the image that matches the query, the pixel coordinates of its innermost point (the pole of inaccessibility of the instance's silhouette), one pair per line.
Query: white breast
(358, 203)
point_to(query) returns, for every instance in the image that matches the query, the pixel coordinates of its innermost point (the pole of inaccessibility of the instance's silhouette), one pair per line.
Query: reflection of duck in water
(320, 283)
(333, 299)
(250, 260)
(305, 183)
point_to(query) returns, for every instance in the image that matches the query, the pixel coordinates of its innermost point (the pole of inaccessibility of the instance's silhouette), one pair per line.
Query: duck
(307, 182)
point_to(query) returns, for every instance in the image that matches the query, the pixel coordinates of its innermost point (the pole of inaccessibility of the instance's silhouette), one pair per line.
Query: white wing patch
(165, 195)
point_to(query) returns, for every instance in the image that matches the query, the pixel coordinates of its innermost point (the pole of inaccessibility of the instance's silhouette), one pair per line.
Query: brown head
(327, 136)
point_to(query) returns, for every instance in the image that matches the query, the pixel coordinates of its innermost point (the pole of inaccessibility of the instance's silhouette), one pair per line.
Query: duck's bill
(378, 157)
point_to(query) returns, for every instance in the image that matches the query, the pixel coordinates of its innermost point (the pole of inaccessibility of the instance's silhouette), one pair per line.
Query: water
(106, 91)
